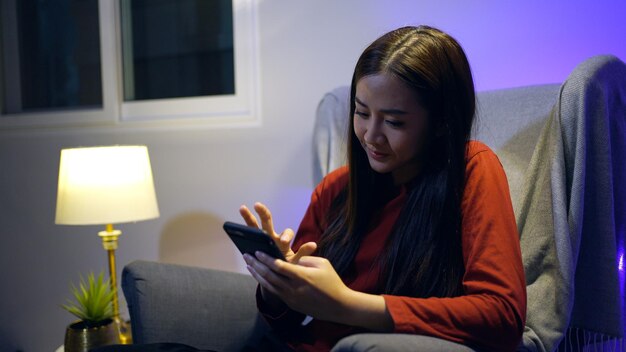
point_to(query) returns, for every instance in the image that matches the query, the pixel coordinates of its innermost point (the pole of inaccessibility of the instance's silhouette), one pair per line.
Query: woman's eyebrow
(386, 111)
(394, 111)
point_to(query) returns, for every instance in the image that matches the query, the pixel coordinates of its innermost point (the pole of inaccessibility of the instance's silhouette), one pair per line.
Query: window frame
(238, 110)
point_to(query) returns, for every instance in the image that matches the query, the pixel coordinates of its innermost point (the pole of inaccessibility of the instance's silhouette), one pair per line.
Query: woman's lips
(376, 155)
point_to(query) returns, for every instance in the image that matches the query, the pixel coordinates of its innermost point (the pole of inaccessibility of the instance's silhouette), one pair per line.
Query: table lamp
(106, 186)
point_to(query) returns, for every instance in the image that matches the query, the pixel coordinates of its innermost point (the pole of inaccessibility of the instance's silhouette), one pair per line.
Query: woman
(417, 234)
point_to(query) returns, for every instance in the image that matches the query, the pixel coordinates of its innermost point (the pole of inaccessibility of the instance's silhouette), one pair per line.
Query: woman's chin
(381, 169)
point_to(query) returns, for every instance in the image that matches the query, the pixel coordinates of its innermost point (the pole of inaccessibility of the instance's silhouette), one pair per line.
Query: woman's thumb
(305, 250)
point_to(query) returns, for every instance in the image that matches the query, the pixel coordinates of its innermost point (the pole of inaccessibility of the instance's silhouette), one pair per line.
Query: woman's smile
(376, 154)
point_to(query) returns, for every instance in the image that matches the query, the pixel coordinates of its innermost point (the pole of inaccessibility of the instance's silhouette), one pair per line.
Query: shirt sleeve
(491, 312)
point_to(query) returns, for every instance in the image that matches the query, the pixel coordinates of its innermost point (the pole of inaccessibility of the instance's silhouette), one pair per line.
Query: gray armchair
(546, 137)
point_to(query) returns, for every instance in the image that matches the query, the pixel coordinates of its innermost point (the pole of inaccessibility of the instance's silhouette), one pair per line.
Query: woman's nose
(373, 134)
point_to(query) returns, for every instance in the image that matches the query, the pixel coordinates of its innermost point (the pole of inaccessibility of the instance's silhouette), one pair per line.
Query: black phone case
(249, 240)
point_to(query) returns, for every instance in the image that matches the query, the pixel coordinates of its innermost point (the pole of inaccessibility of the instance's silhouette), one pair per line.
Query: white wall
(203, 175)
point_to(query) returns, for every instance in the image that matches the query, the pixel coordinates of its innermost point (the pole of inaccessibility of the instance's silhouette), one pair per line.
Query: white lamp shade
(105, 185)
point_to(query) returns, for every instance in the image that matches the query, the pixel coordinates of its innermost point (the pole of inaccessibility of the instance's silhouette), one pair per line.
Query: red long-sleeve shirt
(491, 312)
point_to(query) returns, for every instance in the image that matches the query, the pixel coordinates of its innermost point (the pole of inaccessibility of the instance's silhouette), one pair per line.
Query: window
(174, 49)
(56, 60)
(128, 61)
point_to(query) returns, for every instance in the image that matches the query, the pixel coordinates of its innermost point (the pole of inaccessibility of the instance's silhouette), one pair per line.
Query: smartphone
(250, 239)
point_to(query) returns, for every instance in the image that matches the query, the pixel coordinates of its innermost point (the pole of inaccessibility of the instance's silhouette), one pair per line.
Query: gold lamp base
(126, 336)
(109, 242)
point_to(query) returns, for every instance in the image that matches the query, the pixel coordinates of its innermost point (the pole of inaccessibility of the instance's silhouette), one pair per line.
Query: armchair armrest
(204, 308)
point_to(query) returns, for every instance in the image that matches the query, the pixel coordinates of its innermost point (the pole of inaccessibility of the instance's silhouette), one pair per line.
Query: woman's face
(391, 125)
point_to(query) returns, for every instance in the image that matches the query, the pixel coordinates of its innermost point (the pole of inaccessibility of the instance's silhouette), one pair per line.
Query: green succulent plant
(94, 300)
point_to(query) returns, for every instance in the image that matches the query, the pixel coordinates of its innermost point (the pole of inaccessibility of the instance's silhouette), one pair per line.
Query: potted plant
(93, 306)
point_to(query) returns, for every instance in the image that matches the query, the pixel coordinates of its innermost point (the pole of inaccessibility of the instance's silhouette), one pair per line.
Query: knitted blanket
(572, 215)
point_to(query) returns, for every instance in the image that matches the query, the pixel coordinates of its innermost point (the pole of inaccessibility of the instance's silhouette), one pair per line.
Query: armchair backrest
(508, 121)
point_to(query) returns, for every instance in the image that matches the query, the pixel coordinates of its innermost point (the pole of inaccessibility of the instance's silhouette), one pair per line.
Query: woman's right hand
(282, 240)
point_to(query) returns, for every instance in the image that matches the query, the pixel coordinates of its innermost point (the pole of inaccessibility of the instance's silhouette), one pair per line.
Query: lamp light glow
(105, 185)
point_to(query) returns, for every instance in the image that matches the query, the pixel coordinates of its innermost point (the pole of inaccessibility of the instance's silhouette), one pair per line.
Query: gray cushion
(509, 122)
(397, 342)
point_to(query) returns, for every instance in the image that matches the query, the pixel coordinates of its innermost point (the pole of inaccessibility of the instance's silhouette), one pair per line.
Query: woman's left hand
(312, 286)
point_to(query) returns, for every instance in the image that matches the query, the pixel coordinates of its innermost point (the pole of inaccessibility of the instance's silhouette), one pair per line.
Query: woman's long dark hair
(423, 256)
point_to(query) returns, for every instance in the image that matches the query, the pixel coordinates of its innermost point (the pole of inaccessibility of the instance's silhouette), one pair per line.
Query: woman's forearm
(366, 311)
